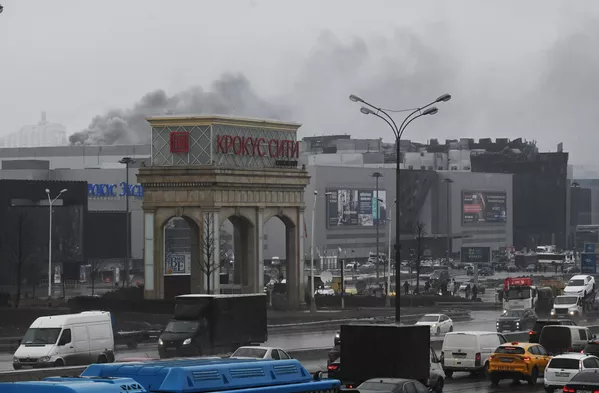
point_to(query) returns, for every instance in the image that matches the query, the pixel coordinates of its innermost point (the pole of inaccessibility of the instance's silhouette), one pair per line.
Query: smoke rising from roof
(547, 95)
(229, 95)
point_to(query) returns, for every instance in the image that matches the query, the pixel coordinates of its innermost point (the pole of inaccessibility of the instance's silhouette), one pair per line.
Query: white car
(580, 285)
(439, 323)
(266, 353)
(562, 368)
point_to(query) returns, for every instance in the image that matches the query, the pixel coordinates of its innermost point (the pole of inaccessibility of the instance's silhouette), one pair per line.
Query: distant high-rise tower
(42, 134)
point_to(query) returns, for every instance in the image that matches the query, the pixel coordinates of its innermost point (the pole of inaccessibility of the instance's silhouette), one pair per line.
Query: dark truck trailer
(214, 324)
(384, 351)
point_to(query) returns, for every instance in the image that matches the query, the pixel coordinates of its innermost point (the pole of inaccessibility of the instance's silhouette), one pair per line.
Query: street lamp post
(312, 300)
(377, 175)
(449, 232)
(398, 132)
(50, 204)
(127, 161)
(388, 298)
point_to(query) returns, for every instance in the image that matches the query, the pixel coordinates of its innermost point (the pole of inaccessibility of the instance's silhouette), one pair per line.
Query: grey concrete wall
(492, 235)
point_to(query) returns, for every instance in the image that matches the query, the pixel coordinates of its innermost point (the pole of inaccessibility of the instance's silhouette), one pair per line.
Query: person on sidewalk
(406, 288)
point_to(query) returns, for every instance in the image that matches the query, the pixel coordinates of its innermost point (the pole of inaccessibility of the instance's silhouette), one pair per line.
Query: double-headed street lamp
(370, 109)
(51, 205)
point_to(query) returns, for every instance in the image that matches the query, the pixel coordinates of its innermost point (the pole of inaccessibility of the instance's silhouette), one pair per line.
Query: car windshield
(510, 350)
(576, 283)
(520, 293)
(512, 313)
(182, 327)
(586, 376)
(429, 318)
(41, 336)
(564, 363)
(243, 352)
(592, 348)
(377, 386)
(565, 300)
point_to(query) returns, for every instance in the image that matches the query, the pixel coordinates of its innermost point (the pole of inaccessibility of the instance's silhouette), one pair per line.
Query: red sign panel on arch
(179, 142)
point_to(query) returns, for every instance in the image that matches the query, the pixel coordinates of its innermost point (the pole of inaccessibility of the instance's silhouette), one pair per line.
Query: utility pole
(449, 232)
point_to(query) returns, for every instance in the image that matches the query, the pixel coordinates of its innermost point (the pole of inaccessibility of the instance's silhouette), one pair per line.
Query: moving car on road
(585, 381)
(562, 339)
(391, 385)
(562, 368)
(468, 351)
(518, 361)
(535, 333)
(592, 348)
(439, 323)
(257, 352)
(516, 320)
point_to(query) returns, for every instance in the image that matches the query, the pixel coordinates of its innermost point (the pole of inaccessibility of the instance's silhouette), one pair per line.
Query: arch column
(215, 276)
(301, 256)
(260, 249)
(292, 267)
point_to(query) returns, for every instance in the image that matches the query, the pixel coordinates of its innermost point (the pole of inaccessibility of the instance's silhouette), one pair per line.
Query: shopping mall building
(343, 178)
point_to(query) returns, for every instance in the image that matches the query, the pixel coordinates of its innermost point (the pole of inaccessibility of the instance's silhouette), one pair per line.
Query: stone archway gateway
(208, 169)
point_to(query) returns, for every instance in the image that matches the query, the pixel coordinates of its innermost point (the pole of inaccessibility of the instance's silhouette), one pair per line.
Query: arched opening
(181, 257)
(239, 267)
(281, 267)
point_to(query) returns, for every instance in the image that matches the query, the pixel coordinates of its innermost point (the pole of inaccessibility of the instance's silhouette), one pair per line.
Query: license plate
(505, 368)
(583, 391)
(456, 363)
(507, 360)
(562, 374)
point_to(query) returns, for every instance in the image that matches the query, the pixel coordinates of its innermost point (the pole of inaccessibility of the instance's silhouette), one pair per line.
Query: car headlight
(552, 312)
(571, 312)
(187, 341)
(160, 341)
(15, 359)
(44, 359)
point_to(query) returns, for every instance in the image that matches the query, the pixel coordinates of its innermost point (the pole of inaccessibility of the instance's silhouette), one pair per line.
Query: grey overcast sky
(515, 68)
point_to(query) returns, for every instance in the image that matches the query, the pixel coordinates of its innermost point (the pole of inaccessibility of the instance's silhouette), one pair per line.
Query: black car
(592, 348)
(516, 320)
(584, 381)
(333, 369)
(535, 332)
(485, 271)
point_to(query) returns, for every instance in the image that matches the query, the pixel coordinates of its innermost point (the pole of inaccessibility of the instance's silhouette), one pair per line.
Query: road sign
(588, 263)
(590, 248)
(476, 254)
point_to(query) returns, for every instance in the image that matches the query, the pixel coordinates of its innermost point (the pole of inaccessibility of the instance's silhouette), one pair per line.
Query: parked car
(486, 271)
(572, 270)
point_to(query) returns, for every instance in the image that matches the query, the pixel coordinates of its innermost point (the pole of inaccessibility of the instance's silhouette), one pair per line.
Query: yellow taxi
(518, 361)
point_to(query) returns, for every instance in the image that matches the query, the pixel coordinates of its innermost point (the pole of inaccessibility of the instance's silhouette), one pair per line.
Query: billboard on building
(355, 207)
(484, 207)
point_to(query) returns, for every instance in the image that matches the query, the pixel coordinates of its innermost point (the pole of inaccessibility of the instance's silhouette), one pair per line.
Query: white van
(468, 351)
(67, 340)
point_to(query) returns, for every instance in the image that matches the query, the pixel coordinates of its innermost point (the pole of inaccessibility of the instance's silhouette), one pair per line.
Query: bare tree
(207, 263)
(420, 234)
(18, 245)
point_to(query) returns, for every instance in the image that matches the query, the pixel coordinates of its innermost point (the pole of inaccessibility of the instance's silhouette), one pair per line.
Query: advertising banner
(484, 207)
(356, 208)
(177, 264)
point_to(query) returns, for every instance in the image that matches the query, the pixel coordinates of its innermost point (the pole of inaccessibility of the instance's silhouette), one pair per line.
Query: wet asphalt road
(482, 320)
(463, 382)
